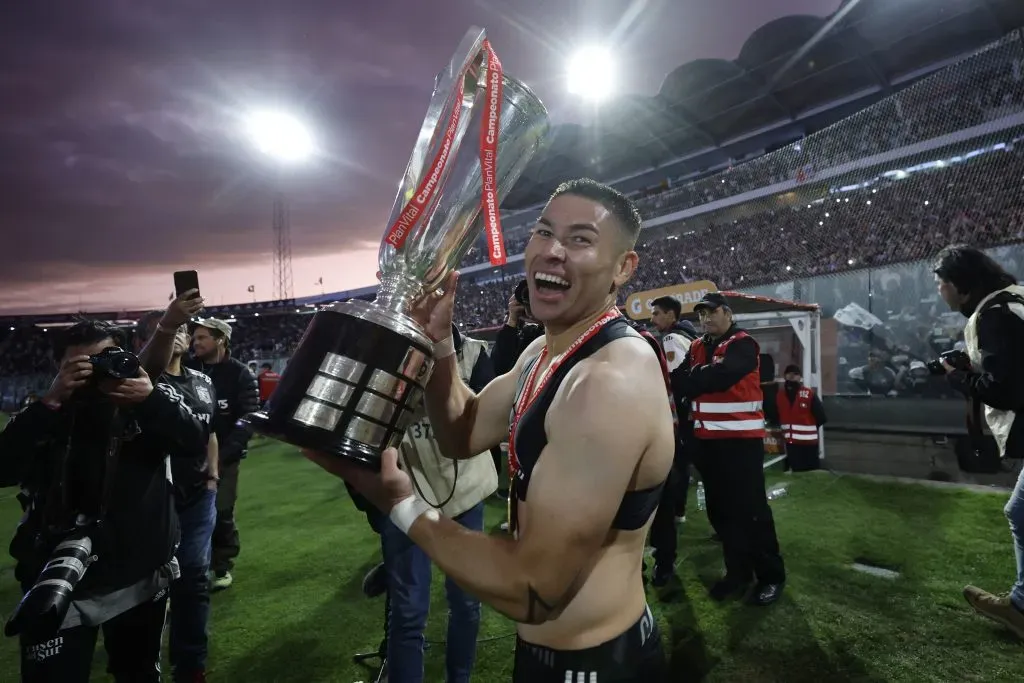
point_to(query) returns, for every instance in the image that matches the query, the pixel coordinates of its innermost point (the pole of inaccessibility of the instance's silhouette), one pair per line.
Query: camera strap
(122, 431)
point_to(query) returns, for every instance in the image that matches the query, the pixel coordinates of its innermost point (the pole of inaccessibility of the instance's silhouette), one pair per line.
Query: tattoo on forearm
(537, 610)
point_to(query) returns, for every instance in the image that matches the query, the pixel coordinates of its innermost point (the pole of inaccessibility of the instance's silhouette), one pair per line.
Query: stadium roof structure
(786, 71)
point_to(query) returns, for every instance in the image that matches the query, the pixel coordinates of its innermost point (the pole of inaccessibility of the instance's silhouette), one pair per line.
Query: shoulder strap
(1001, 299)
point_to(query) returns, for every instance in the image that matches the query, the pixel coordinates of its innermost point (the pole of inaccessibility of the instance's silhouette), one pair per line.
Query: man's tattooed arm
(575, 491)
(539, 610)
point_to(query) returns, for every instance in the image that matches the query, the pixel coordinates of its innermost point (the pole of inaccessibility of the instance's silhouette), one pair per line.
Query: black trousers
(131, 639)
(733, 471)
(681, 465)
(802, 457)
(663, 536)
(695, 451)
(225, 544)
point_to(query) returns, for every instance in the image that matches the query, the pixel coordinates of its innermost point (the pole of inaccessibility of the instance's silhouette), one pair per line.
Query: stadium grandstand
(828, 175)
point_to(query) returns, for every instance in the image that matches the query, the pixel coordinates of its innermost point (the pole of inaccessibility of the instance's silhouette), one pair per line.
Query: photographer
(90, 458)
(991, 375)
(517, 332)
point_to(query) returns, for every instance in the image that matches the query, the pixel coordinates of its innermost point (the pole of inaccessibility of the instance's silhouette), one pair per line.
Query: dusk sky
(122, 157)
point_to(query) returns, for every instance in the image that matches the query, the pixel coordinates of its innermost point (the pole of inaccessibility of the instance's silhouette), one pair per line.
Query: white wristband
(444, 348)
(408, 511)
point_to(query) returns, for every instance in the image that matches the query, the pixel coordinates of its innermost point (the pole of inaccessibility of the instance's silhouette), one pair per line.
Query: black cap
(794, 369)
(711, 300)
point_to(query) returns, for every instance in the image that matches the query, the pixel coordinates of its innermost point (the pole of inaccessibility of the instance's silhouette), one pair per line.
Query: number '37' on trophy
(358, 375)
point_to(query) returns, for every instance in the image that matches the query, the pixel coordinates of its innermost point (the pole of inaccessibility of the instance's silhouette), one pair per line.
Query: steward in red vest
(721, 377)
(267, 381)
(800, 415)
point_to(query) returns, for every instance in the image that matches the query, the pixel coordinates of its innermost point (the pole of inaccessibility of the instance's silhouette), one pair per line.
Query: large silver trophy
(358, 375)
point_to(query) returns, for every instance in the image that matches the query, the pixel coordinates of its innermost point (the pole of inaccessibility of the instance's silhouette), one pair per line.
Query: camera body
(522, 293)
(955, 358)
(115, 363)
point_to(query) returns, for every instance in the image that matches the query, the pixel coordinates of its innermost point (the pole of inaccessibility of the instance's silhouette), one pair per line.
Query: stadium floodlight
(280, 136)
(592, 74)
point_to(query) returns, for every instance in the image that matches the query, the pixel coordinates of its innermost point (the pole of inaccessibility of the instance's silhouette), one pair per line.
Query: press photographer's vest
(797, 419)
(999, 421)
(432, 473)
(737, 412)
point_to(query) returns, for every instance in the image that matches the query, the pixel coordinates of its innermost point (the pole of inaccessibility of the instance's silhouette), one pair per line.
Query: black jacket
(140, 530)
(237, 396)
(189, 468)
(739, 361)
(510, 344)
(999, 382)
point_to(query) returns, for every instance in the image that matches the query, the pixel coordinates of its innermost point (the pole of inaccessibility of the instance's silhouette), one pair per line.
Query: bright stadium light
(280, 135)
(592, 74)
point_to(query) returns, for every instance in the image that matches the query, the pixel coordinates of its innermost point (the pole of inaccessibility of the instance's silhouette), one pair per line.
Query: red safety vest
(797, 420)
(737, 412)
(267, 381)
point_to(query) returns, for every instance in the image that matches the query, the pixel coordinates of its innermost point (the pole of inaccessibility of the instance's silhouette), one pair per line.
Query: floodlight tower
(282, 249)
(286, 141)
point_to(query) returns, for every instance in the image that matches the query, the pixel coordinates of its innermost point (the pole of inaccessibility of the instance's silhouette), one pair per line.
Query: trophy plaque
(359, 372)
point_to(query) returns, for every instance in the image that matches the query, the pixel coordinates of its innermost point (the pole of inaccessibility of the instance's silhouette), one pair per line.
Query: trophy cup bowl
(358, 375)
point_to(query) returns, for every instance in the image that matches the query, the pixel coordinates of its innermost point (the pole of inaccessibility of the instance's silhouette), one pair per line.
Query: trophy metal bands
(359, 372)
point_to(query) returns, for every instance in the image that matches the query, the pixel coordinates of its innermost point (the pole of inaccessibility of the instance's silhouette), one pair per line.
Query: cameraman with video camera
(990, 374)
(96, 544)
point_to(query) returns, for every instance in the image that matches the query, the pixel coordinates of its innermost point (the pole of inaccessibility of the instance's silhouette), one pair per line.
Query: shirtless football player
(591, 442)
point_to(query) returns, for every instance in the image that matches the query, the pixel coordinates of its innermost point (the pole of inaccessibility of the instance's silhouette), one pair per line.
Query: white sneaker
(221, 581)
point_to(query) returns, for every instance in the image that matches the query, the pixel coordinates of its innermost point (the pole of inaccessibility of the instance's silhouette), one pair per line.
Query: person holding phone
(237, 396)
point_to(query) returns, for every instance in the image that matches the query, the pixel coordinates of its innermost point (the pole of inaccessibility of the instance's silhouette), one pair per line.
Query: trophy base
(315, 440)
(352, 386)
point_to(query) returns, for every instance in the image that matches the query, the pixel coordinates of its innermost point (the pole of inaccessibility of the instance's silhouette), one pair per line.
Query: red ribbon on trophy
(489, 130)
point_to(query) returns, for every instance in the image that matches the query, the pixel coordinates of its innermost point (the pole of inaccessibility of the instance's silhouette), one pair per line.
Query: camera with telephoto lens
(42, 610)
(115, 363)
(522, 294)
(955, 358)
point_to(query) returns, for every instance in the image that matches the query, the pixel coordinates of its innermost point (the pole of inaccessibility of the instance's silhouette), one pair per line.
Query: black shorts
(636, 656)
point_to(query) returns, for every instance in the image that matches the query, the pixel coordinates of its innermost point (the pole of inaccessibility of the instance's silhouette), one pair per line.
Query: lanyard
(528, 395)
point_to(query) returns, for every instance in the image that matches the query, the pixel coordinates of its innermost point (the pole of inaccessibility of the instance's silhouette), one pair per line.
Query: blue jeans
(408, 570)
(190, 594)
(1014, 511)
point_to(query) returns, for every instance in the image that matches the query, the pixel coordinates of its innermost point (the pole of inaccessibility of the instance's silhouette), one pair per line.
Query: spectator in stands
(969, 281)
(237, 396)
(876, 377)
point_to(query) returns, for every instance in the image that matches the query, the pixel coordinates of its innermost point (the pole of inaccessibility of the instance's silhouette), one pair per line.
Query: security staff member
(800, 415)
(721, 376)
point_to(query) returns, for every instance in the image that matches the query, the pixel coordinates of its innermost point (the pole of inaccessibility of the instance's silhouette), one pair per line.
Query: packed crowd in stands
(987, 87)
(886, 222)
(763, 241)
(890, 221)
